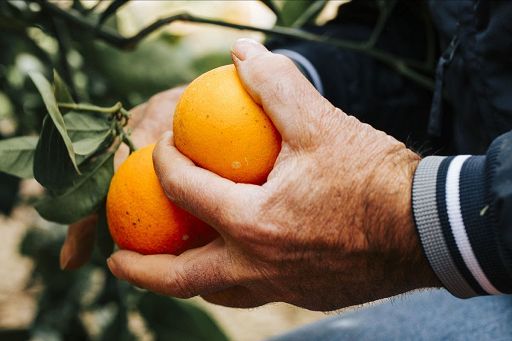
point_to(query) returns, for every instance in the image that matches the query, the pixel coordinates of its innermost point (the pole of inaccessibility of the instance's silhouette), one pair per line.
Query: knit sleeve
(462, 209)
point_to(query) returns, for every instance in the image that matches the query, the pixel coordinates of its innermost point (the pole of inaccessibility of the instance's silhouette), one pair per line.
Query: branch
(381, 23)
(61, 34)
(404, 67)
(309, 13)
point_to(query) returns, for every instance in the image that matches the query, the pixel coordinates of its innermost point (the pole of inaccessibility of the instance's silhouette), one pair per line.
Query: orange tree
(68, 144)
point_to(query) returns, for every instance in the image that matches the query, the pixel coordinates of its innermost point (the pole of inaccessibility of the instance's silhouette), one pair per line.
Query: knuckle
(261, 238)
(282, 62)
(171, 190)
(177, 284)
(235, 211)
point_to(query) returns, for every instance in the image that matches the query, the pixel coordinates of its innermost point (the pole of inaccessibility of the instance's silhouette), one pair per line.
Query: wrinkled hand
(332, 226)
(148, 121)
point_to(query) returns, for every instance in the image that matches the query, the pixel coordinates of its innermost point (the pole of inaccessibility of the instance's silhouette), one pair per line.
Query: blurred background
(37, 300)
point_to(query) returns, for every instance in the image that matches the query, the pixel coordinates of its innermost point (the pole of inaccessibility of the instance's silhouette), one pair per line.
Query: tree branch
(63, 40)
(402, 66)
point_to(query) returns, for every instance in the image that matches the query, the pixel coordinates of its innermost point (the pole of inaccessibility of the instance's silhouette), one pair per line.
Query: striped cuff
(306, 67)
(451, 214)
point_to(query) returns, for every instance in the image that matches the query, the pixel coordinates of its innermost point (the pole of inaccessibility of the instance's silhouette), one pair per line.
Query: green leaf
(171, 319)
(60, 89)
(104, 239)
(52, 166)
(46, 91)
(90, 144)
(17, 156)
(81, 126)
(83, 197)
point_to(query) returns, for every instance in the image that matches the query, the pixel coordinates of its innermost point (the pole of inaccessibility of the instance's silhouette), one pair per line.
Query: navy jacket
(462, 204)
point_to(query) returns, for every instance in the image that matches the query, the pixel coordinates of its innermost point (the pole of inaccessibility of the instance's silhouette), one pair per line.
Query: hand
(332, 227)
(148, 121)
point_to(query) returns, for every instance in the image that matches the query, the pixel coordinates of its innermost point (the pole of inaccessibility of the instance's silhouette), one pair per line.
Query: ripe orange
(140, 216)
(219, 127)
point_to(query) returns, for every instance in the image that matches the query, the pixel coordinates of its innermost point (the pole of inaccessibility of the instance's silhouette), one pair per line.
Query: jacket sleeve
(462, 207)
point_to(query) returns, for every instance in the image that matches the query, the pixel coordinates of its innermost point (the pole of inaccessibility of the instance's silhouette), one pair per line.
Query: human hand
(148, 121)
(332, 226)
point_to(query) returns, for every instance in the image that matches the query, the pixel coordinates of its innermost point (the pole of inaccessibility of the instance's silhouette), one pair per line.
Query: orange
(140, 216)
(220, 128)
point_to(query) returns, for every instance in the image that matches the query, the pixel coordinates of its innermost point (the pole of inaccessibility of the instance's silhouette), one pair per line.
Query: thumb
(274, 82)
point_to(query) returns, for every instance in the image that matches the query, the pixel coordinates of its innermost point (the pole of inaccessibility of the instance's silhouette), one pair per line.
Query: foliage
(90, 303)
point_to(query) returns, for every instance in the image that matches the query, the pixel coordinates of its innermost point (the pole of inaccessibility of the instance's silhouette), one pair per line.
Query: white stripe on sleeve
(457, 225)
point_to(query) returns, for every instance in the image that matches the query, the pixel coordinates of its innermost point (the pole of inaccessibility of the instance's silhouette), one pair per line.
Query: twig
(63, 40)
(92, 8)
(313, 9)
(404, 67)
(128, 141)
(381, 23)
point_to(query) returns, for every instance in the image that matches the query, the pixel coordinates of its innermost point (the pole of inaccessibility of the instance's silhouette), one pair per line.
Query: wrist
(392, 195)
(417, 270)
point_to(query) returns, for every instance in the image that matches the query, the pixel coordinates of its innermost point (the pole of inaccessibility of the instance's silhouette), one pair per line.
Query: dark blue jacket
(462, 204)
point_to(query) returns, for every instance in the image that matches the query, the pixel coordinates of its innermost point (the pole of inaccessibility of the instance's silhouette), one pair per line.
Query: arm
(463, 211)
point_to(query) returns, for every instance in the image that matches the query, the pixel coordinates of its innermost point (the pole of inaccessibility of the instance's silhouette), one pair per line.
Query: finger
(159, 114)
(79, 243)
(220, 202)
(195, 272)
(149, 120)
(285, 94)
(236, 297)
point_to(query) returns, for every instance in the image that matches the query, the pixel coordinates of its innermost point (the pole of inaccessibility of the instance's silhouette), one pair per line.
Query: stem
(309, 13)
(381, 23)
(113, 38)
(126, 139)
(89, 107)
(62, 36)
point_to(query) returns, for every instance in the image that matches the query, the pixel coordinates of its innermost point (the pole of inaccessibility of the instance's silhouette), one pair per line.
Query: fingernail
(245, 48)
(111, 265)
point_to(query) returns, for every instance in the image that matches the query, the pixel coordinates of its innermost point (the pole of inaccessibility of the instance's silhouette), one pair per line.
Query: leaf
(46, 91)
(104, 239)
(84, 197)
(81, 126)
(90, 144)
(88, 132)
(60, 89)
(17, 156)
(171, 319)
(52, 166)
(111, 9)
